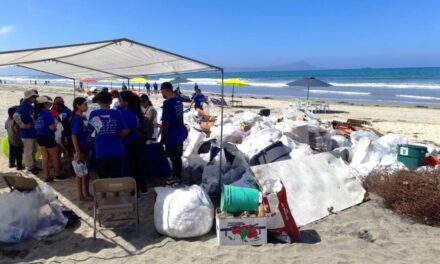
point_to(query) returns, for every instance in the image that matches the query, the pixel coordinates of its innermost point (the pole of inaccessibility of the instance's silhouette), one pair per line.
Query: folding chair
(218, 102)
(20, 183)
(124, 199)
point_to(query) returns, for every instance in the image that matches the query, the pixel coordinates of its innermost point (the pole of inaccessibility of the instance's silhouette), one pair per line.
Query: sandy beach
(366, 233)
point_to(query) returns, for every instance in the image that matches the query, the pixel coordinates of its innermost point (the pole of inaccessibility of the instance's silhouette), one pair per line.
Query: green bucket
(412, 156)
(237, 199)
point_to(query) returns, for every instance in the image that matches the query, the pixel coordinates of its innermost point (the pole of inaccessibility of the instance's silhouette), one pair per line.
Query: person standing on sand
(172, 130)
(82, 145)
(24, 118)
(156, 88)
(110, 128)
(45, 127)
(15, 143)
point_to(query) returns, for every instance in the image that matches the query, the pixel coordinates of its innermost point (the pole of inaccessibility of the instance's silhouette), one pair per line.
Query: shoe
(143, 191)
(35, 171)
(20, 168)
(37, 168)
(11, 166)
(61, 177)
(50, 179)
(170, 181)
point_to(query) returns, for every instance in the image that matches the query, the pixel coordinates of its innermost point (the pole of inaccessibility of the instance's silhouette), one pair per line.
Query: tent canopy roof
(105, 59)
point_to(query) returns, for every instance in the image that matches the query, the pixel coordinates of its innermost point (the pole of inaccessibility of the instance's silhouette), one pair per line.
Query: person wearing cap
(172, 130)
(90, 94)
(24, 118)
(45, 127)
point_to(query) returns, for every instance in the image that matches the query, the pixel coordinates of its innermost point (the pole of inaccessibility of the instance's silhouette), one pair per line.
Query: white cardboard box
(241, 231)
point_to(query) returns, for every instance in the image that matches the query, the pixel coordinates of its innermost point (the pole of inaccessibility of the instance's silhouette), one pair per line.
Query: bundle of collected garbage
(276, 173)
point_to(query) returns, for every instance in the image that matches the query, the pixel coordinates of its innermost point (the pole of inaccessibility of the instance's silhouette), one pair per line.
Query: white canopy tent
(121, 58)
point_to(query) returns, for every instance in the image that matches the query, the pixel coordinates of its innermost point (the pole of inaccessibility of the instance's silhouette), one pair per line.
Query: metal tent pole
(74, 89)
(221, 130)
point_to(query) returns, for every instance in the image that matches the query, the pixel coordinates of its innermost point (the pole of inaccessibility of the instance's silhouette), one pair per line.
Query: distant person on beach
(173, 132)
(15, 143)
(124, 87)
(35, 82)
(45, 127)
(156, 88)
(110, 128)
(135, 140)
(90, 94)
(198, 99)
(81, 85)
(81, 144)
(24, 118)
(148, 87)
(196, 86)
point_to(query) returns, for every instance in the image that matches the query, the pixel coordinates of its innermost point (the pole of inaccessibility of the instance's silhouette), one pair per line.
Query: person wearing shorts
(45, 129)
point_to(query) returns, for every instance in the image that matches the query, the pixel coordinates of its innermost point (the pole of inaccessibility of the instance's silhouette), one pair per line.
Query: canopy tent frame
(21, 62)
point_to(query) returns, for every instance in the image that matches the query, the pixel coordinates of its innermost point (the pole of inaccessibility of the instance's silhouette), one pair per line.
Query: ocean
(395, 86)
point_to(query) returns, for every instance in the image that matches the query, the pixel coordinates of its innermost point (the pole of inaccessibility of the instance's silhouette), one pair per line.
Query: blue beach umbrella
(309, 82)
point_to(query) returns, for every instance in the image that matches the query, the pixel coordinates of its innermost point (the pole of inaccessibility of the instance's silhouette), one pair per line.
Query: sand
(366, 233)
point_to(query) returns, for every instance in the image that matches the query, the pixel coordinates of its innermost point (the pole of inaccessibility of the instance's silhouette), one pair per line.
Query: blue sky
(326, 33)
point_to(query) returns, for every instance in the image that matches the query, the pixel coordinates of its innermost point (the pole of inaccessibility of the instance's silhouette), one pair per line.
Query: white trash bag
(184, 212)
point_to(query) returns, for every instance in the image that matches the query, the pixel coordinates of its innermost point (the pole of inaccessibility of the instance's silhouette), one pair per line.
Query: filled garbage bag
(184, 212)
(32, 214)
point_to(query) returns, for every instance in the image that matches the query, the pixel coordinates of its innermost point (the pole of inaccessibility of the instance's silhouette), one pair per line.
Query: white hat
(93, 89)
(29, 93)
(43, 99)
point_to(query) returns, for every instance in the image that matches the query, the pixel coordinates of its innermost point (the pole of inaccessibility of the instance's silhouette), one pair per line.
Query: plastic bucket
(412, 156)
(237, 199)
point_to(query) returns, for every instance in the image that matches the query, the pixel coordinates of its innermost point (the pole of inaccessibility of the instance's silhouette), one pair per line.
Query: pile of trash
(34, 214)
(295, 161)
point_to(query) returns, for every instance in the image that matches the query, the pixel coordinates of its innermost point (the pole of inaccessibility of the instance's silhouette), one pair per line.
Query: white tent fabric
(114, 58)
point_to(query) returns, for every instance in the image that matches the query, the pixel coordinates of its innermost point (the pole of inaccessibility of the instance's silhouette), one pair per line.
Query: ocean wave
(418, 97)
(431, 86)
(338, 92)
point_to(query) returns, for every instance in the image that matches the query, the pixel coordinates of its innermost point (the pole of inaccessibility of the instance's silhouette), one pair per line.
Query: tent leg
(308, 87)
(221, 131)
(74, 89)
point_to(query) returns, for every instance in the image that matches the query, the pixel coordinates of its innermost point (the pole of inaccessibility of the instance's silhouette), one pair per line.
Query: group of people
(109, 127)
(147, 87)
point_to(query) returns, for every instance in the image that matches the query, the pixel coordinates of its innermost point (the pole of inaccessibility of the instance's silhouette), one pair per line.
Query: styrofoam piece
(315, 185)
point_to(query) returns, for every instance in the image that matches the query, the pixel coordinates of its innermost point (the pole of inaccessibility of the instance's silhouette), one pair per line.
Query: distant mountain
(294, 66)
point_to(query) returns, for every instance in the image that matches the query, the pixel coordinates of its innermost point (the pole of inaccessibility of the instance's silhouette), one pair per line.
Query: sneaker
(50, 179)
(11, 166)
(61, 177)
(143, 191)
(35, 171)
(20, 168)
(171, 181)
(37, 168)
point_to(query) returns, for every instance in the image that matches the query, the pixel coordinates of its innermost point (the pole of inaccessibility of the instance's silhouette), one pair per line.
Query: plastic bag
(182, 213)
(80, 168)
(280, 222)
(29, 215)
(195, 140)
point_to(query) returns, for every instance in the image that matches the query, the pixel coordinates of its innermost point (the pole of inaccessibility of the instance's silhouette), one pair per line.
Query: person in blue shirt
(198, 99)
(148, 87)
(173, 131)
(24, 118)
(110, 128)
(81, 142)
(45, 127)
(135, 140)
(156, 88)
(196, 86)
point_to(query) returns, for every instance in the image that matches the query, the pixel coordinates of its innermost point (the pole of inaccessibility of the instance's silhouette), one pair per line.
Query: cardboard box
(241, 231)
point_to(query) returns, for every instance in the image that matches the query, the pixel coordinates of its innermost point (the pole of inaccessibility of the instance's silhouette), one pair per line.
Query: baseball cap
(59, 101)
(93, 89)
(29, 93)
(43, 99)
(144, 97)
(54, 114)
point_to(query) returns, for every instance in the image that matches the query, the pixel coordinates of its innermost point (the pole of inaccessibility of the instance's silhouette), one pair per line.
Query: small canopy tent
(118, 58)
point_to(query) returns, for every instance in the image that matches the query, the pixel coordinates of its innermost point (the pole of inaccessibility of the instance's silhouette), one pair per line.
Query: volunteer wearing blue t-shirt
(81, 142)
(198, 99)
(155, 87)
(110, 128)
(24, 118)
(173, 132)
(134, 141)
(45, 128)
